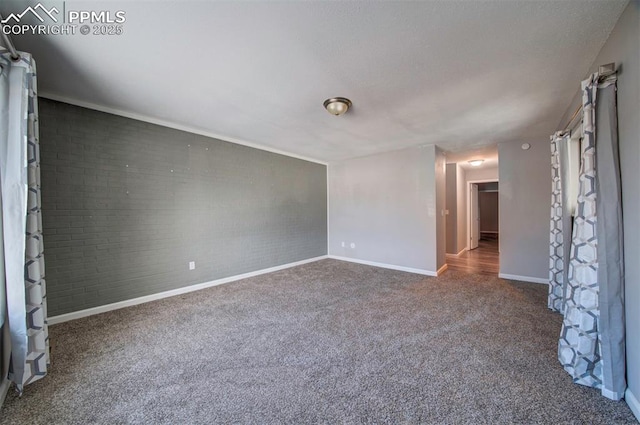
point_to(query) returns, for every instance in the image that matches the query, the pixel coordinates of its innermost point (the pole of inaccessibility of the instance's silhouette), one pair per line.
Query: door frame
(469, 183)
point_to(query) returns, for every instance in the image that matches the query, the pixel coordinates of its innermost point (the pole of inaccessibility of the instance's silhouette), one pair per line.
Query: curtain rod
(604, 71)
(573, 117)
(8, 44)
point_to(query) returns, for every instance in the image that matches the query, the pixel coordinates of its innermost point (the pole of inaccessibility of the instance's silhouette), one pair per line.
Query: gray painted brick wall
(127, 204)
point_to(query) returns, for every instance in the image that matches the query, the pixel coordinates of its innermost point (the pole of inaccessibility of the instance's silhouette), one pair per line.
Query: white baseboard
(385, 266)
(442, 270)
(462, 251)
(523, 278)
(633, 403)
(191, 288)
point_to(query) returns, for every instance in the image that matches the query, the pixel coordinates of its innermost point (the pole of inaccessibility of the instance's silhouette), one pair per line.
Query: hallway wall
(488, 202)
(456, 204)
(524, 210)
(384, 209)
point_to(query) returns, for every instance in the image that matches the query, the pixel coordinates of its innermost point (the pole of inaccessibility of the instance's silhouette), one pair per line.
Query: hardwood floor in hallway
(484, 260)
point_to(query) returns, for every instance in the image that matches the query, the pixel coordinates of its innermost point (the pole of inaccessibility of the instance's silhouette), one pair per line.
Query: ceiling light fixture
(476, 162)
(337, 105)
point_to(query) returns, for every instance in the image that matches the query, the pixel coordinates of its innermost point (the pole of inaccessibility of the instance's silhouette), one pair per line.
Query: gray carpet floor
(327, 342)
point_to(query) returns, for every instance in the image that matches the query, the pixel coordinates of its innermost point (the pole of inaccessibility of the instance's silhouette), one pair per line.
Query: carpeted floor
(327, 342)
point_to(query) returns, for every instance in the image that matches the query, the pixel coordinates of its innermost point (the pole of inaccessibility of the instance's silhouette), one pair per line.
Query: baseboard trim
(633, 403)
(386, 266)
(458, 254)
(523, 278)
(191, 288)
(442, 270)
(4, 389)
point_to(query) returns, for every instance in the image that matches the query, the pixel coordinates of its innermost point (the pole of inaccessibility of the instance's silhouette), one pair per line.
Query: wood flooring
(483, 260)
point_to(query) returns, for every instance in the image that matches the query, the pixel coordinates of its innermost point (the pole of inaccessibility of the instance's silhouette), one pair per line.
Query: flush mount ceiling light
(476, 162)
(337, 105)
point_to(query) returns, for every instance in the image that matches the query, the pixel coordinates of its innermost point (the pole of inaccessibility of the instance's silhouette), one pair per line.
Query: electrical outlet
(343, 244)
(192, 265)
(353, 245)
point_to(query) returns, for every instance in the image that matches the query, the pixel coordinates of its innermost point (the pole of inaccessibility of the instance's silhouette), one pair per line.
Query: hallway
(483, 260)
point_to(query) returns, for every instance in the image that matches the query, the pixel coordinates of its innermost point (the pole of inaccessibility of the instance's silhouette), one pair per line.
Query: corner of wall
(4, 361)
(386, 197)
(633, 403)
(328, 210)
(525, 181)
(441, 195)
(4, 389)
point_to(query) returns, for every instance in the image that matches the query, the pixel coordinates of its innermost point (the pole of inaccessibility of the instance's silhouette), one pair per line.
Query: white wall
(524, 205)
(461, 193)
(440, 179)
(456, 221)
(452, 206)
(386, 204)
(623, 48)
(481, 173)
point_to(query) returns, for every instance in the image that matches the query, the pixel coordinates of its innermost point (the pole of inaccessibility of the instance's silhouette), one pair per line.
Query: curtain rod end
(606, 70)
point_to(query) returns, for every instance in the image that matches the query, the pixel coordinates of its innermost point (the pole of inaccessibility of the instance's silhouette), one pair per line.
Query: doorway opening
(472, 186)
(481, 254)
(483, 213)
(483, 250)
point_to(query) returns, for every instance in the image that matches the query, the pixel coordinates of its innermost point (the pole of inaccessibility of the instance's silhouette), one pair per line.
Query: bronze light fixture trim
(337, 105)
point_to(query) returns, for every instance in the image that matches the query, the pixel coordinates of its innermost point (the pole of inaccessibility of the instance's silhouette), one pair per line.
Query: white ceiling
(459, 74)
(489, 155)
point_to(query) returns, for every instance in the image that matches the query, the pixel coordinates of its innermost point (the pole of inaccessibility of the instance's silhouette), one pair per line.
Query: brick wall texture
(127, 205)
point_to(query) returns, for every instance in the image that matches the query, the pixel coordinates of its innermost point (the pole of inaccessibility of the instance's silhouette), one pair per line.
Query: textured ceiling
(489, 155)
(459, 74)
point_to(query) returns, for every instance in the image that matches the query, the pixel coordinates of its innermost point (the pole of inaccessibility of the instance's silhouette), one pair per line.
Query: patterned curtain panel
(24, 283)
(560, 227)
(591, 346)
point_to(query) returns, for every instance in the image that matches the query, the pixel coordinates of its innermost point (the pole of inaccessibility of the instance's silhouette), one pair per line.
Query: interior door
(474, 218)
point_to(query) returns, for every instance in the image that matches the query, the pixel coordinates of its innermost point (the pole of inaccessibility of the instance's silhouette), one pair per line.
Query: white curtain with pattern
(560, 227)
(592, 342)
(21, 219)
